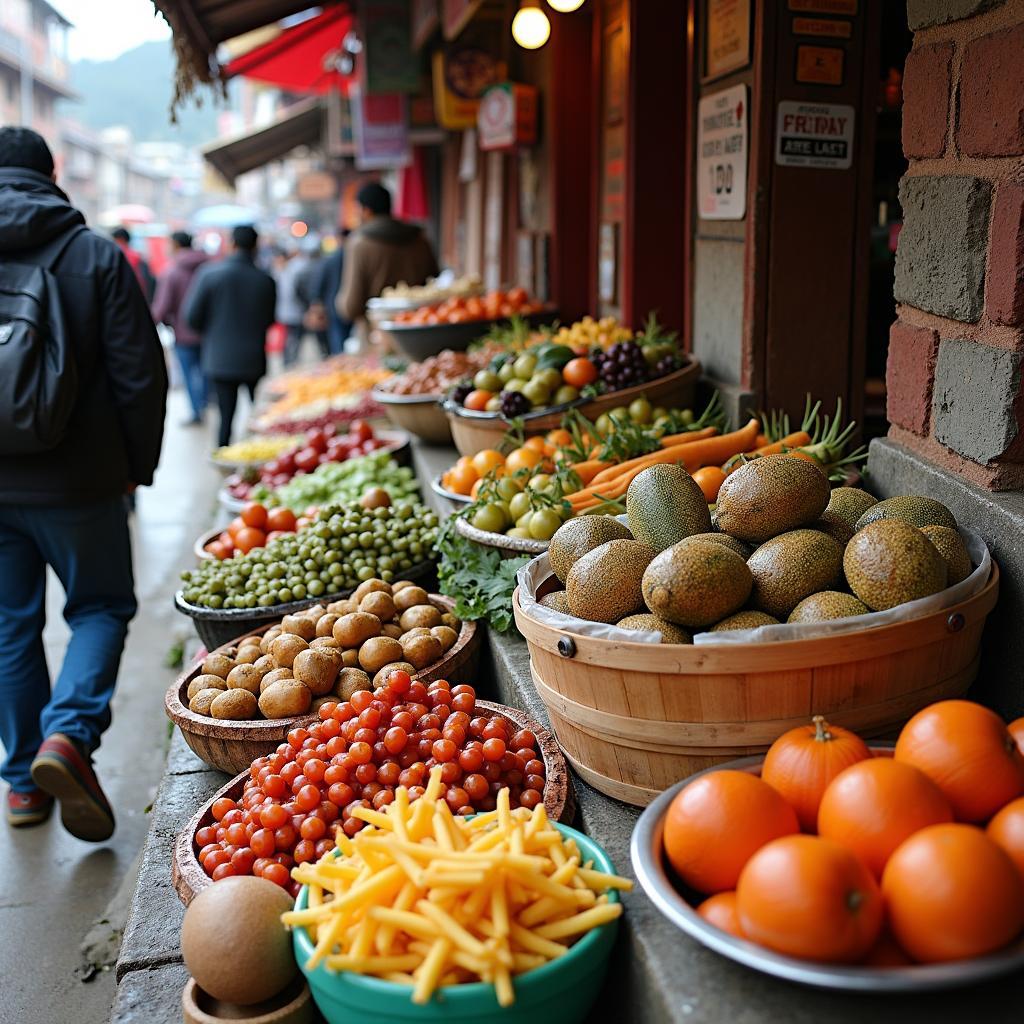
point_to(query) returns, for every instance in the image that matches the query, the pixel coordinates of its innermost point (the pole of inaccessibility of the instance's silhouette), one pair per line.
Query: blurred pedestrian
(136, 261)
(383, 252)
(73, 442)
(290, 307)
(307, 288)
(327, 287)
(167, 309)
(231, 305)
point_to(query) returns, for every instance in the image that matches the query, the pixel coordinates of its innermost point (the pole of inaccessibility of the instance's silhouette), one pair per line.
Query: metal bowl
(670, 897)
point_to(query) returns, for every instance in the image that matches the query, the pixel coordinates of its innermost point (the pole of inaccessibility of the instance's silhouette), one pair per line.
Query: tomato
(478, 399)
(249, 538)
(518, 296)
(236, 526)
(254, 514)
(360, 431)
(222, 807)
(578, 373)
(276, 873)
(282, 519)
(220, 550)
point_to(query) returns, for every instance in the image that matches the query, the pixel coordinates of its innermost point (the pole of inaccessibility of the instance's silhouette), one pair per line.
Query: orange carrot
(795, 440)
(761, 440)
(671, 440)
(586, 471)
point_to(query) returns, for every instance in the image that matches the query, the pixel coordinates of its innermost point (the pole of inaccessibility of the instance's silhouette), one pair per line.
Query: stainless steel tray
(655, 878)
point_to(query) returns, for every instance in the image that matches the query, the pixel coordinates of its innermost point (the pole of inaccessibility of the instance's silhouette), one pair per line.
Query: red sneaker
(62, 770)
(25, 809)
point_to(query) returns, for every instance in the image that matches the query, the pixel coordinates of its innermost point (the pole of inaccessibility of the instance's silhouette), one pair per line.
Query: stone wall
(955, 351)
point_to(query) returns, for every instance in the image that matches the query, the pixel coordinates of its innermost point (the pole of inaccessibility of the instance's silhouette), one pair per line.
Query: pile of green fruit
(344, 546)
(782, 547)
(521, 505)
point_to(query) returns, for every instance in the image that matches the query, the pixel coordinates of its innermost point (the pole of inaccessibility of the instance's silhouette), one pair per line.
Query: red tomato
(579, 372)
(236, 526)
(360, 430)
(255, 515)
(249, 538)
(307, 459)
(478, 399)
(282, 519)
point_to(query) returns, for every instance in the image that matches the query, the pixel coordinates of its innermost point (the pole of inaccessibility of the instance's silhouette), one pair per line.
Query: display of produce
(436, 374)
(508, 896)
(254, 527)
(431, 292)
(353, 759)
(255, 449)
(324, 653)
(343, 546)
(895, 865)
(319, 446)
(496, 305)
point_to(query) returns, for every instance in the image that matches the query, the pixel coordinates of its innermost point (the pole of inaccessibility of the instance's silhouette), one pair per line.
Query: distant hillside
(135, 90)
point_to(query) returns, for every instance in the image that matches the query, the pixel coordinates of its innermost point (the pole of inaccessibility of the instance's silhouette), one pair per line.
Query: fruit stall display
(253, 451)
(253, 527)
(827, 850)
(496, 305)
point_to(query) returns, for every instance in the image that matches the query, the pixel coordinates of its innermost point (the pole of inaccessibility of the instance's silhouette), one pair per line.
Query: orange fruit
(558, 437)
(952, 893)
(874, 805)
(709, 480)
(717, 822)
(720, 910)
(968, 752)
(478, 399)
(488, 459)
(802, 762)
(538, 444)
(810, 898)
(462, 477)
(523, 458)
(1007, 829)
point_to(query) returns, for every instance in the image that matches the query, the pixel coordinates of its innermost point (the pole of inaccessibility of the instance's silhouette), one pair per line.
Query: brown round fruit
(409, 597)
(236, 705)
(355, 628)
(376, 652)
(420, 615)
(245, 677)
(205, 682)
(380, 604)
(285, 648)
(285, 699)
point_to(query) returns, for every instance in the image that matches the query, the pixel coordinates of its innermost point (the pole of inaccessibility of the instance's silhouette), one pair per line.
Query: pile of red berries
(356, 756)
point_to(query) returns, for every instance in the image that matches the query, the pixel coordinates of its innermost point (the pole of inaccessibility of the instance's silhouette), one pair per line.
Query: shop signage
(825, 27)
(507, 116)
(727, 37)
(456, 13)
(814, 135)
(461, 76)
(388, 65)
(824, 6)
(722, 154)
(316, 186)
(424, 21)
(381, 129)
(819, 65)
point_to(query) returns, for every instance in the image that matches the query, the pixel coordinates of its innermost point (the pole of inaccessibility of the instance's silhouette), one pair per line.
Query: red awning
(302, 59)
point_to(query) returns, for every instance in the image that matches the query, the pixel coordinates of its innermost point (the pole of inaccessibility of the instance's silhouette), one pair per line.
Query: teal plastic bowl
(560, 992)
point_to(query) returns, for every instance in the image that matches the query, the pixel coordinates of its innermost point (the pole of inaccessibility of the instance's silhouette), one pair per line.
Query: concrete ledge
(150, 996)
(999, 519)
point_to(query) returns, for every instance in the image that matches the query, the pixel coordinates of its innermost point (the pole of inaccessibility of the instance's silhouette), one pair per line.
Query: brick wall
(955, 352)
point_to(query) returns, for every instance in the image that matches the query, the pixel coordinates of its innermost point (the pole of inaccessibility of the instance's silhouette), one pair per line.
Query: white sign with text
(814, 135)
(722, 154)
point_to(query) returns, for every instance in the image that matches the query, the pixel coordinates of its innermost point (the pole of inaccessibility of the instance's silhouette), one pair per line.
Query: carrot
(801, 437)
(586, 471)
(671, 440)
(761, 440)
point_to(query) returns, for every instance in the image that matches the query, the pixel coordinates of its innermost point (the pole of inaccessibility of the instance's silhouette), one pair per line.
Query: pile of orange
(536, 454)
(497, 305)
(834, 854)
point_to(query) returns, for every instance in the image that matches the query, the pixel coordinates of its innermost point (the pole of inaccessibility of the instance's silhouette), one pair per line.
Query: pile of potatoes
(325, 654)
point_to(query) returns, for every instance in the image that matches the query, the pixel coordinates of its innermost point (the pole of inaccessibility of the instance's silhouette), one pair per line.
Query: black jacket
(231, 305)
(117, 425)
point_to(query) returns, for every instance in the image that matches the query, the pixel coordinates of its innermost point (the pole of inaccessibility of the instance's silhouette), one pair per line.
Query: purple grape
(514, 403)
(460, 392)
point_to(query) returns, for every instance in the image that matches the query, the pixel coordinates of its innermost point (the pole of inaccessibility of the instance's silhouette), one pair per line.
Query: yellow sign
(824, 6)
(824, 27)
(819, 65)
(461, 76)
(728, 37)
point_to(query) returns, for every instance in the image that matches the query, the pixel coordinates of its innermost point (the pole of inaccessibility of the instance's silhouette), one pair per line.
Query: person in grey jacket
(231, 305)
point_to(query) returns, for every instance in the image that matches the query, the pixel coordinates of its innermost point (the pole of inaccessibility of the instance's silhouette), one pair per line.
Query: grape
(460, 393)
(514, 403)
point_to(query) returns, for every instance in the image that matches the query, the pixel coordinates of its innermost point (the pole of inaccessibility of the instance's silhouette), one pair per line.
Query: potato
(217, 665)
(391, 629)
(314, 612)
(206, 681)
(317, 669)
(420, 615)
(449, 620)
(325, 643)
(236, 705)
(325, 624)
(248, 654)
(401, 585)
(350, 680)
(244, 677)
(422, 651)
(299, 625)
(275, 677)
(380, 604)
(201, 701)
(376, 652)
(368, 587)
(415, 631)
(352, 629)
(264, 664)
(446, 635)
(382, 674)
(284, 649)
(285, 699)
(269, 637)
(343, 607)
(409, 597)
(350, 658)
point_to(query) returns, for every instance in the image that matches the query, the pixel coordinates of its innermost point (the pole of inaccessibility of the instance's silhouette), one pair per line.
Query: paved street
(53, 888)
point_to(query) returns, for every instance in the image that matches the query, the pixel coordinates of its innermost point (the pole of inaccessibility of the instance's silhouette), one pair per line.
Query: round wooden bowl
(472, 431)
(232, 746)
(634, 718)
(199, 547)
(292, 1006)
(189, 878)
(509, 547)
(421, 415)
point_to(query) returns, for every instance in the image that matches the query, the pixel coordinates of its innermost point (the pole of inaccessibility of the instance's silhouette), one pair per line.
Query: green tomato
(539, 481)
(519, 505)
(523, 522)
(506, 373)
(518, 531)
(551, 377)
(565, 394)
(686, 416)
(619, 415)
(490, 518)
(650, 354)
(515, 384)
(604, 424)
(640, 410)
(544, 523)
(487, 380)
(493, 404)
(525, 366)
(658, 412)
(508, 488)
(536, 391)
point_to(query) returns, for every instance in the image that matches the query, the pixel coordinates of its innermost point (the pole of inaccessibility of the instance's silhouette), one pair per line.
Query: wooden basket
(189, 878)
(232, 746)
(634, 718)
(473, 432)
(421, 415)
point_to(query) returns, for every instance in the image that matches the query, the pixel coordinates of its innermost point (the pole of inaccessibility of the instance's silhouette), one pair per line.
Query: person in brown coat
(381, 253)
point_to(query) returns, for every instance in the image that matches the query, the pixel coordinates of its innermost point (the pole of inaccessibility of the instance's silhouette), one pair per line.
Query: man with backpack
(82, 393)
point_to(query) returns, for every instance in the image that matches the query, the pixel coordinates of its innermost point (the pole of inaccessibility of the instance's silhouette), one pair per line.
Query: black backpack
(38, 375)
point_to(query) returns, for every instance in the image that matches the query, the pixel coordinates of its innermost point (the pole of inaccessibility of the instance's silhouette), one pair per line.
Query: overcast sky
(122, 25)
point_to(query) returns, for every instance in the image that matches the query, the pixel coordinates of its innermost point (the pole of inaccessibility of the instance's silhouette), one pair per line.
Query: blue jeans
(195, 381)
(89, 548)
